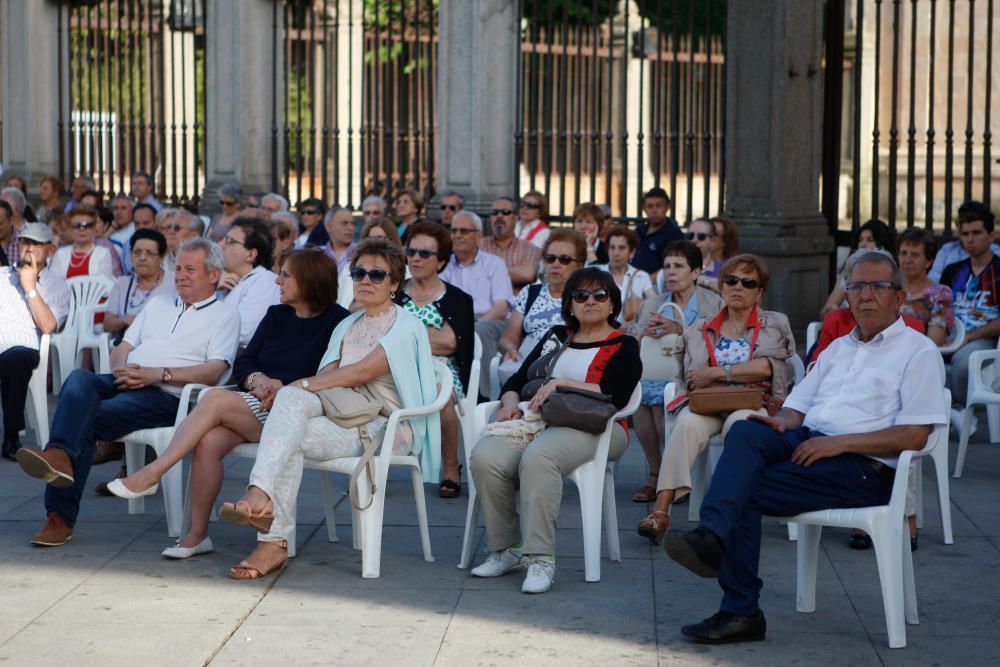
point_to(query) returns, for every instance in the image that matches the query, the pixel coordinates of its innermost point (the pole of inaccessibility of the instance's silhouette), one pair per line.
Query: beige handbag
(657, 354)
(356, 407)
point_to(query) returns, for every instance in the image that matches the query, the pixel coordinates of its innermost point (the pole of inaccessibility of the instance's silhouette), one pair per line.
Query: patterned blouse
(431, 318)
(933, 307)
(732, 351)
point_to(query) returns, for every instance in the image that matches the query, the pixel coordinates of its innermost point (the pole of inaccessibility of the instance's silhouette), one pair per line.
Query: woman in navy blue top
(288, 345)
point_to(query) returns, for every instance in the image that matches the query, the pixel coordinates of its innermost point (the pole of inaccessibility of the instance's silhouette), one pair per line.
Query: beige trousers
(498, 468)
(688, 438)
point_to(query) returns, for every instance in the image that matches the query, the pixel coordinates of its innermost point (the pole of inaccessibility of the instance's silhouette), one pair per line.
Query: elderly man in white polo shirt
(835, 444)
(249, 284)
(173, 342)
(33, 301)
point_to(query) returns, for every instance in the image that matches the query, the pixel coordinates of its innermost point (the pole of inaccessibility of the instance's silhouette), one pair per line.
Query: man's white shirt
(252, 296)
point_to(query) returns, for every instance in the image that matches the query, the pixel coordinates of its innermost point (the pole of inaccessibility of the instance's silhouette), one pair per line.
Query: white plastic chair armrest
(976, 361)
(184, 406)
(957, 342)
(204, 393)
(444, 379)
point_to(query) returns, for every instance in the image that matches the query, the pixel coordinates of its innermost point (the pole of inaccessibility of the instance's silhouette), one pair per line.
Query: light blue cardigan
(409, 352)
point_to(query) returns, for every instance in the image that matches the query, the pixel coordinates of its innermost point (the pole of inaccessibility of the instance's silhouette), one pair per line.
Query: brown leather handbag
(725, 398)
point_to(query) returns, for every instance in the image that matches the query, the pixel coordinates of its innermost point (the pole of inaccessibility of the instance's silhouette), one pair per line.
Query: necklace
(75, 263)
(133, 306)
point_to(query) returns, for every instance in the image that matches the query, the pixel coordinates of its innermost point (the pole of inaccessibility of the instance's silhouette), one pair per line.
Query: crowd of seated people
(287, 303)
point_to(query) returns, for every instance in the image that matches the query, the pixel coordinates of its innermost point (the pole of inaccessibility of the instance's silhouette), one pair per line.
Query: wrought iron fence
(132, 94)
(918, 78)
(358, 110)
(615, 101)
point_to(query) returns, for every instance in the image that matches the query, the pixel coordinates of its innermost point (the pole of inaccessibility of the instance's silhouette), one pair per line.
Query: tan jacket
(775, 342)
(709, 305)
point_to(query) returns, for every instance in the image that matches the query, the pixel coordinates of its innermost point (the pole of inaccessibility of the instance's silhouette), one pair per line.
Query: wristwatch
(729, 373)
(305, 385)
(32, 294)
(167, 376)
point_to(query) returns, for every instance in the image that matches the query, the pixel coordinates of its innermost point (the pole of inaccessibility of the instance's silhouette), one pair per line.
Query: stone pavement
(108, 598)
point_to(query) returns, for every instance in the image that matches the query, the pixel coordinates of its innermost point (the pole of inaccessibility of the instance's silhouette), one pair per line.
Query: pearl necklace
(76, 264)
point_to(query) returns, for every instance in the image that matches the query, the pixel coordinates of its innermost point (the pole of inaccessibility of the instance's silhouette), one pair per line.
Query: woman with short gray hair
(231, 201)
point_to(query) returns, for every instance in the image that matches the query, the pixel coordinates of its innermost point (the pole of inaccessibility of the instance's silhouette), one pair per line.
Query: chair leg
(418, 498)
(909, 583)
(888, 554)
(471, 527)
(963, 440)
(793, 531)
(371, 518)
(328, 506)
(591, 502)
(917, 475)
(700, 477)
(993, 418)
(611, 516)
(940, 459)
(807, 555)
(173, 500)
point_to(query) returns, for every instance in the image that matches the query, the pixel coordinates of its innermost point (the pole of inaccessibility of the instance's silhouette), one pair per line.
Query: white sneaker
(498, 563)
(541, 575)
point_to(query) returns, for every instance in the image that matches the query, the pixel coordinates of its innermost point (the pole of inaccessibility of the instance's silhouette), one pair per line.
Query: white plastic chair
(86, 291)
(92, 336)
(367, 523)
(595, 481)
(980, 392)
(467, 421)
(954, 340)
(495, 377)
(812, 334)
(886, 524)
(37, 406)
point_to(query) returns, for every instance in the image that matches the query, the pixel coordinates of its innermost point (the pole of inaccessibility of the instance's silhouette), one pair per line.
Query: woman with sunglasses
(313, 232)
(702, 234)
(381, 347)
(287, 346)
(538, 307)
(598, 357)
(83, 257)
(446, 311)
(231, 201)
(531, 213)
(742, 345)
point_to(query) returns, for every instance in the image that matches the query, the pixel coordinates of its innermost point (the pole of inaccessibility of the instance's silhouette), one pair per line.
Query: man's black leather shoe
(726, 628)
(699, 550)
(10, 447)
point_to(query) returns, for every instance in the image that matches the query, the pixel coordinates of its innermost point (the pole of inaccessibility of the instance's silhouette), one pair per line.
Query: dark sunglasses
(227, 202)
(448, 207)
(309, 211)
(748, 283)
(565, 260)
(462, 231)
(530, 204)
(376, 275)
(83, 225)
(173, 228)
(701, 236)
(501, 211)
(424, 254)
(582, 295)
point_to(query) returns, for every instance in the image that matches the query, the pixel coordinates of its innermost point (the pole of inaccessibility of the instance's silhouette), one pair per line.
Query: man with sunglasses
(451, 203)
(835, 444)
(521, 257)
(658, 231)
(33, 301)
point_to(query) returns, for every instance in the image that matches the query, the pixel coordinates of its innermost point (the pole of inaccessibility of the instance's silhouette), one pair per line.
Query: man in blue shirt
(658, 231)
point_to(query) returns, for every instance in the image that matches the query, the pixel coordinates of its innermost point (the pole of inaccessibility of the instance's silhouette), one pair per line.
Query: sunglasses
(530, 204)
(701, 236)
(565, 260)
(309, 211)
(462, 231)
(227, 202)
(449, 207)
(376, 275)
(501, 211)
(424, 254)
(172, 228)
(748, 283)
(83, 225)
(582, 295)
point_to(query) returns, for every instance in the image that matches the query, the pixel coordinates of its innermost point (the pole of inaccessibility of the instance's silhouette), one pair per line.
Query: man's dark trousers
(16, 366)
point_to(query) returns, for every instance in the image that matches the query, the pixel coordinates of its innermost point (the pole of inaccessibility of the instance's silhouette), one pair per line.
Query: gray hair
(333, 210)
(452, 193)
(125, 198)
(164, 215)
(286, 216)
(274, 196)
(373, 199)
(476, 220)
(868, 256)
(17, 200)
(88, 182)
(234, 190)
(213, 252)
(188, 219)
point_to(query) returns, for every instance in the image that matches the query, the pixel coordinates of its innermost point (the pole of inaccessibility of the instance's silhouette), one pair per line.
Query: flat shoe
(231, 512)
(116, 487)
(177, 552)
(645, 494)
(860, 542)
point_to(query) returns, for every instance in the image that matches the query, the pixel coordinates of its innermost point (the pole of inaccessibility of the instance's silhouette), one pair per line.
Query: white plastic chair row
(86, 291)
(980, 393)
(886, 524)
(367, 523)
(596, 484)
(37, 405)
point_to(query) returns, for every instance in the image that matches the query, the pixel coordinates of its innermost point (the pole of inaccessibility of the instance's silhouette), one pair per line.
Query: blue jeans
(92, 408)
(755, 477)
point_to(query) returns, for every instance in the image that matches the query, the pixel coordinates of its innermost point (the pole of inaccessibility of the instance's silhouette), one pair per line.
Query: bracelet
(250, 380)
(728, 368)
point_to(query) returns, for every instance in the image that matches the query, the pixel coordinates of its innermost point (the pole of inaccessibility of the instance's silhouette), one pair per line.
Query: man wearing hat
(33, 301)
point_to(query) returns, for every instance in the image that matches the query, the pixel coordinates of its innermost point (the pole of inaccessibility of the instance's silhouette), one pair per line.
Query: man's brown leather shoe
(51, 465)
(54, 533)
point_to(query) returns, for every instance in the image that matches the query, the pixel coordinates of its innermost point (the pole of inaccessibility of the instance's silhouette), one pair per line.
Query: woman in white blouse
(83, 257)
(634, 283)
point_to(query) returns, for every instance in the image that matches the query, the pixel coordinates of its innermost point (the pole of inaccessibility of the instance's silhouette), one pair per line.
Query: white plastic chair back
(37, 406)
(955, 339)
(812, 334)
(85, 291)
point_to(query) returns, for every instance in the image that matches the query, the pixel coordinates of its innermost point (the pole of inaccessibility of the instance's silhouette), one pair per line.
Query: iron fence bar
(185, 195)
(314, 101)
(581, 67)
(562, 109)
(675, 108)
(623, 122)
(609, 134)
(62, 53)
(275, 33)
(833, 95)
(876, 133)
(911, 146)
(689, 135)
(894, 116)
(721, 127)
(546, 129)
(329, 73)
(146, 127)
(987, 135)
(931, 71)
(657, 103)
(595, 106)
(706, 147)
(118, 63)
(350, 109)
(949, 133)
(968, 102)
(856, 93)
(640, 135)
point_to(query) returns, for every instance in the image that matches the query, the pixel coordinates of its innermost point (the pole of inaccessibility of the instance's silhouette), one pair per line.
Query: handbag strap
(366, 462)
(555, 358)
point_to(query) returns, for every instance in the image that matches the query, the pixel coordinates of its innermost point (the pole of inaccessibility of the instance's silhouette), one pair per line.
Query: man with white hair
(272, 202)
(372, 206)
(174, 341)
(79, 187)
(484, 277)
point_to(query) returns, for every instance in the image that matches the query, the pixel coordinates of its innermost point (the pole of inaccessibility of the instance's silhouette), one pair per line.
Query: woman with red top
(742, 345)
(83, 257)
(597, 357)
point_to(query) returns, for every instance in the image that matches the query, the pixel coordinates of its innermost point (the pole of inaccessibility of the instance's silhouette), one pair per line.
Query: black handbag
(580, 409)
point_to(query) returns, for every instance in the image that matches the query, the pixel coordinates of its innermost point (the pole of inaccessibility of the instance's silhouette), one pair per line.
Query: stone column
(244, 93)
(774, 125)
(29, 51)
(477, 99)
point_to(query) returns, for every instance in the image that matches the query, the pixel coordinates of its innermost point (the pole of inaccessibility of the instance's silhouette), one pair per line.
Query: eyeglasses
(309, 211)
(171, 228)
(530, 204)
(227, 202)
(82, 224)
(501, 211)
(376, 275)
(371, 213)
(140, 252)
(462, 231)
(701, 236)
(582, 295)
(565, 260)
(424, 254)
(229, 240)
(879, 287)
(748, 283)
(449, 207)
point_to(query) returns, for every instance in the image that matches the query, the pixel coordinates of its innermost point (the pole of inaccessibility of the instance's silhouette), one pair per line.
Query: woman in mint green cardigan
(380, 346)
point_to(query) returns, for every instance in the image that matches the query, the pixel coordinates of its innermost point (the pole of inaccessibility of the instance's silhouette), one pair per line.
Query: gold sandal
(654, 526)
(244, 571)
(261, 521)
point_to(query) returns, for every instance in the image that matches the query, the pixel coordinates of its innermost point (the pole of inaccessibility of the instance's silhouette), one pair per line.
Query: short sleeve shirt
(545, 313)
(975, 297)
